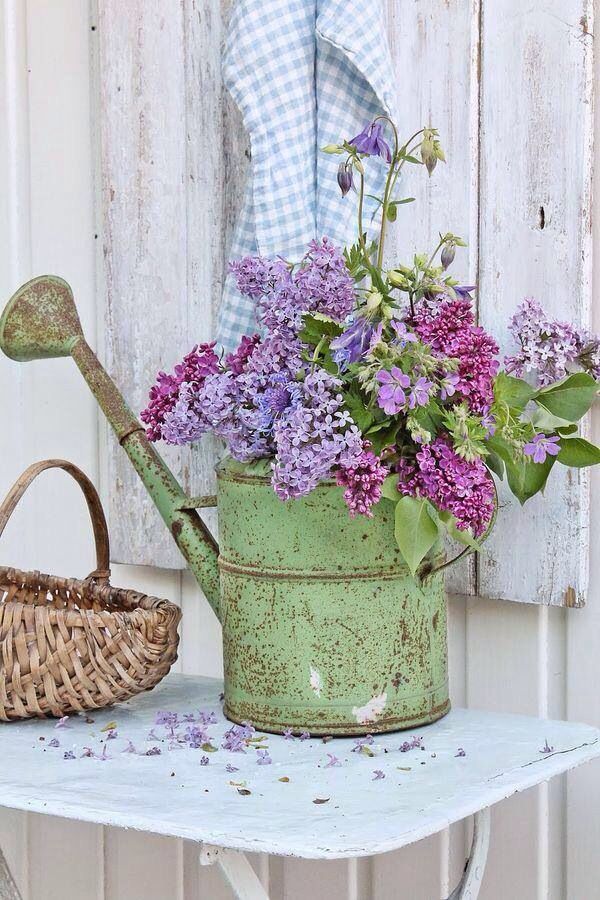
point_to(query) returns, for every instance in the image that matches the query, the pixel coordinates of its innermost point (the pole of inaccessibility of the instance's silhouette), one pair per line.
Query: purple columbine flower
(541, 446)
(263, 758)
(378, 774)
(333, 761)
(419, 395)
(403, 335)
(353, 342)
(344, 177)
(391, 397)
(371, 142)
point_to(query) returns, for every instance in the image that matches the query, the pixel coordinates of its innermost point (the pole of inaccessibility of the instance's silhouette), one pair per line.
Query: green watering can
(324, 628)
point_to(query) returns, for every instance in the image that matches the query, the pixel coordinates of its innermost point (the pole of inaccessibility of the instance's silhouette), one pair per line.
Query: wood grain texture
(535, 232)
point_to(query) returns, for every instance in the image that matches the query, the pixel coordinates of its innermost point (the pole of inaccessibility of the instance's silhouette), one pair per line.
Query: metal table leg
(240, 875)
(8, 888)
(470, 883)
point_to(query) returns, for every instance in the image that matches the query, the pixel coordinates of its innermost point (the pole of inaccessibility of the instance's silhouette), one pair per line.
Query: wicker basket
(68, 645)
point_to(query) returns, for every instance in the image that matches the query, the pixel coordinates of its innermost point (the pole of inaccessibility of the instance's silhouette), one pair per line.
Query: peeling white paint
(316, 682)
(371, 710)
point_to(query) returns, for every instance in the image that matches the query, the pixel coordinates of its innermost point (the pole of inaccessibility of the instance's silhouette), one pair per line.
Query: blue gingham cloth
(304, 73)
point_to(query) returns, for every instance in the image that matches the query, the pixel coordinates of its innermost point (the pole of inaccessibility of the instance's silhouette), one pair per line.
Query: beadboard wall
(521, 658)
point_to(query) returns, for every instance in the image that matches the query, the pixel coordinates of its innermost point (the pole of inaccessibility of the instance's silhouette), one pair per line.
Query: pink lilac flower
(200, 362)
(378, 774)
(362, 480)
(333, 761)
(371, 142)
(237, 361)
(391, 396)
(448, 326)
(549, 348)
(540, 446)
(453, 484)
(263, 758)
(420, 393)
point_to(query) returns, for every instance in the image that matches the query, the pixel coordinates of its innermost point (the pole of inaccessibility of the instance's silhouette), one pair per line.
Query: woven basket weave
(68, 645)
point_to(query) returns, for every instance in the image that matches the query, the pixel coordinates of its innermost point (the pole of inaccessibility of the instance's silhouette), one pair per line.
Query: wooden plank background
(530, 659)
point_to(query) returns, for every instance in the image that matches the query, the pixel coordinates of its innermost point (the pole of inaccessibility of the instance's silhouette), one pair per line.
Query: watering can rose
(383, 381)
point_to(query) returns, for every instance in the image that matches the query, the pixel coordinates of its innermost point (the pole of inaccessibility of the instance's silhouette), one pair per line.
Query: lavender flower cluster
(550, 348)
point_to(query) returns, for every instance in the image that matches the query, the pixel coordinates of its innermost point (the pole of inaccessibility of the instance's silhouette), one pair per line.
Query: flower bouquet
(382, 380)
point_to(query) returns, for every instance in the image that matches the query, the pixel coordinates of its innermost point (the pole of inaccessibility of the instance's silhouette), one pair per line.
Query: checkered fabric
(304, 73)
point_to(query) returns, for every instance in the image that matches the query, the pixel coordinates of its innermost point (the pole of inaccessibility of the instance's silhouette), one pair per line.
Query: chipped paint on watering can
(324, 627)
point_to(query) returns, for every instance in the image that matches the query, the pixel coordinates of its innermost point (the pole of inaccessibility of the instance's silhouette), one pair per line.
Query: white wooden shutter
(508, 85)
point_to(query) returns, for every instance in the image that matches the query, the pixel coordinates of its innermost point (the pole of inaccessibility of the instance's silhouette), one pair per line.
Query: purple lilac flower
(88, 753)
(288, 735)
(62, 723)
(153, 751)
(263, 758)
(200, 362)
(230, 768)
(415, 743)
(453, 484)
(549, 348)
(391, 396)
(129, 748)
(361, 742)
(362, 480)
(448, 326)
(195, 736)
(112, 735)
(420, 393)
(378, 774)
(204, 760)
(460, 752)
(237, 361)
(68, 754)
(540, 446)
(547, 748)
(256, 275)
(371, 142)
(313, 438)
(353, 342)
(207, 717)
(305, 736)
(333, 762)
(54, 742)
(237, 737)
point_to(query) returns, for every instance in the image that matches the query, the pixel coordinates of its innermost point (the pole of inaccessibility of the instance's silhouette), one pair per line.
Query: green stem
(361, 237)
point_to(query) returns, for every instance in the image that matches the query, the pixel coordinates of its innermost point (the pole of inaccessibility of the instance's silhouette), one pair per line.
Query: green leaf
(577, 452)
(525, 478)
(429, 417)
(317, 326)
(456, 533)
(570, 398)
(382, 436)
(515, 392)
(544, 421)
(415, 530)
(389, 488)
(356, 406)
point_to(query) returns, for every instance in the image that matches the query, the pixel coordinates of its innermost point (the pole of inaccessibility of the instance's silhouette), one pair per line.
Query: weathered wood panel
(535, 233)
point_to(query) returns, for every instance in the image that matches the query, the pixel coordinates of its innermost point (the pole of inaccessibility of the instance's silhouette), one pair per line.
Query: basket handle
(102, 570)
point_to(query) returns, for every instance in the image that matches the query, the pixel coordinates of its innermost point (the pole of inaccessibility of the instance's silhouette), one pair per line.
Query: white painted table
(271, 808)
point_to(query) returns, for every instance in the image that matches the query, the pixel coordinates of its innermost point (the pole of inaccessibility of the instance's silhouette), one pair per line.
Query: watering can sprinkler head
(40, 321)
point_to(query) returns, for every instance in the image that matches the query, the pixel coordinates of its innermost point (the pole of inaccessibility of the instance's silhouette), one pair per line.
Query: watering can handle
(102, 571)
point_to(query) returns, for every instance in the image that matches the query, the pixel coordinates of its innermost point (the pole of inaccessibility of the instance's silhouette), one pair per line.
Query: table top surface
(305, 802)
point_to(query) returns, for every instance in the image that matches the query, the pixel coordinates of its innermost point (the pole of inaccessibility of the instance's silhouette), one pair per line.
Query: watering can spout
(41, 322)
